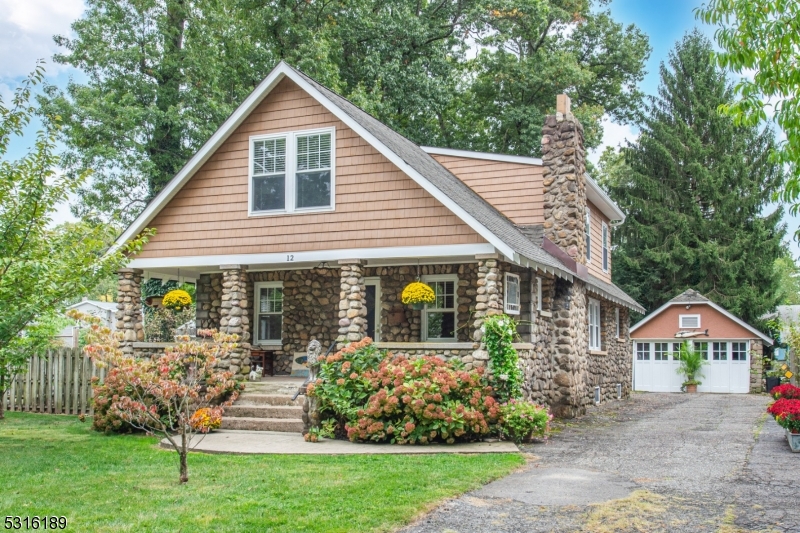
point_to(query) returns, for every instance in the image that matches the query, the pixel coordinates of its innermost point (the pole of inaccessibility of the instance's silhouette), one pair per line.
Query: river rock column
(570, 392)
(352, 311)
(235, 317)
(129, 308)
(489, 302)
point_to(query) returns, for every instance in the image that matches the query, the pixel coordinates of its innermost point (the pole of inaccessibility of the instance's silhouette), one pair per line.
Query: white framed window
(587, 230)
(511, 302)
(689, 321)
(738, 351)
(594, 324)
(719, 351)
(268, 319)
(642, 351)
(616, 320)
(701, 347)
(292, 172)
(676, 351)
(661, 351)
(605, 247)
(538, 294)
(439, 318)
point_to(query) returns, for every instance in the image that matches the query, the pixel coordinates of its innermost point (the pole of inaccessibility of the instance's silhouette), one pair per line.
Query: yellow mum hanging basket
(418, 294)
(176, 300)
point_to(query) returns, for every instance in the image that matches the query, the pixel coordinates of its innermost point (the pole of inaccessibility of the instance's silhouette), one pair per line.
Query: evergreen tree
(696, 189)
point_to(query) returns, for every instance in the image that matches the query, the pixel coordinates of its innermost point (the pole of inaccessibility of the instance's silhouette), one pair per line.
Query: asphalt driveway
(654, 463)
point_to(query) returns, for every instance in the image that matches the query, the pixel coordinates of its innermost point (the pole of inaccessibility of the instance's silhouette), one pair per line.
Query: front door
(373, 304)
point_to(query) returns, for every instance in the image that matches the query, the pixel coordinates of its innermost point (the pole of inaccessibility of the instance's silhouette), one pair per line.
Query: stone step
(263, 424)
(254, 398)
(245, 410)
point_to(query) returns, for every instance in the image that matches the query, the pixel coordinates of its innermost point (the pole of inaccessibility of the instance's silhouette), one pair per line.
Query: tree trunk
(183, 452)
(2, 397)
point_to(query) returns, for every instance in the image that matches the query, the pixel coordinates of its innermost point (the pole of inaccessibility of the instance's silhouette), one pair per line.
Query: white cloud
(26, 32)
(613, 135)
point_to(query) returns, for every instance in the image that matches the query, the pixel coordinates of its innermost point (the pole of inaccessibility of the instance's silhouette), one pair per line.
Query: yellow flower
(176, 300)
(418, 292)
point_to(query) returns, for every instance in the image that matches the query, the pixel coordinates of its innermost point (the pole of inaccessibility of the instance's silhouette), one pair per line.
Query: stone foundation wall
(208, 299)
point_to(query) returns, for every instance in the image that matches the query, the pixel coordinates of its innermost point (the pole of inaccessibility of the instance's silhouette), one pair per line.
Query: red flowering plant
(164, 395)
(787, 390)
(379, 397)
(786, 413)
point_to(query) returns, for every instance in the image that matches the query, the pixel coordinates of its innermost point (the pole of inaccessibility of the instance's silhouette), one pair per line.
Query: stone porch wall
(756, 366)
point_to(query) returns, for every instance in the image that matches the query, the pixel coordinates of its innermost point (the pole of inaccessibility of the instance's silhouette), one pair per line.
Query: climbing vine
(499, 332)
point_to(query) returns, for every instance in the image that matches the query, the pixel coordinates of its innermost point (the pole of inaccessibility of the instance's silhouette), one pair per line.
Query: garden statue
(314, 348)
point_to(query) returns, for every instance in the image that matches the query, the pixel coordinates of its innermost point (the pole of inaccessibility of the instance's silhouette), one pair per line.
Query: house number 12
(290, 257)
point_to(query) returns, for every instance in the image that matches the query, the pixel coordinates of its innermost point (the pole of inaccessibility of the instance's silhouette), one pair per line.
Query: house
(732, 347)
(303, 217)
(106, 311)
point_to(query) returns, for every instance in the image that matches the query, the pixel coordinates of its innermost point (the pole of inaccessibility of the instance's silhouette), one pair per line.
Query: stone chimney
(564, 183)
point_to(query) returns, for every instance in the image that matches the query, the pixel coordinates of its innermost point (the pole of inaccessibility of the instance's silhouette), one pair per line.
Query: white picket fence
(59, 383)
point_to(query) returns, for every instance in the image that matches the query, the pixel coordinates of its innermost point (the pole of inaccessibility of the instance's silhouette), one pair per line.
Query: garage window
(739, 351)
(642, 351)
(676, 351)
(720, 351)
(702, 347)
(660, 351)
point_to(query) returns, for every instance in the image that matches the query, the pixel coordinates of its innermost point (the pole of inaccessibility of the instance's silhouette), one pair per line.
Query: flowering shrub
(786, 413)
(418, 293)
(521, 421)
(384, 398)
(207, 419)
(161, 325)
(787, 390)
(163, 395)
(176, 300)
(498, 334)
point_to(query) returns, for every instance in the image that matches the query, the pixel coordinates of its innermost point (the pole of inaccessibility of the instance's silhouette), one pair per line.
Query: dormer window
(292, 172)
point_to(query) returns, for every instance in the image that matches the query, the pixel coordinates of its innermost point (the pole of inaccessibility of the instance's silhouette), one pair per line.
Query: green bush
(521, 421)
(378, 397)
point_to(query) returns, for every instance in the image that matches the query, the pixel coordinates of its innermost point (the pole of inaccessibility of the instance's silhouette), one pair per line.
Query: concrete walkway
(261, 442)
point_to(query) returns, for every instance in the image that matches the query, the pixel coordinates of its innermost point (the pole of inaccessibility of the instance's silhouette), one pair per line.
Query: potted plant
(690, 365)
(787, 414)
(417, 294)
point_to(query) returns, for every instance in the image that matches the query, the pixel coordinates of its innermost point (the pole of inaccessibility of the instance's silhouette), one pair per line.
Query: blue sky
(27, 26)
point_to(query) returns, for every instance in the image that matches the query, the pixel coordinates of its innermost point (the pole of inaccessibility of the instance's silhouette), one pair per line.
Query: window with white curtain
(512, 294)
(538, 294)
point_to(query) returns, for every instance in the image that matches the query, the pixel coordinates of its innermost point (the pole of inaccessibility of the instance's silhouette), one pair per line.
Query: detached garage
(732, 347)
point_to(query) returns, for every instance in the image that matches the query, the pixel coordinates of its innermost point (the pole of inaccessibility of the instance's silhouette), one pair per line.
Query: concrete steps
(266, 406)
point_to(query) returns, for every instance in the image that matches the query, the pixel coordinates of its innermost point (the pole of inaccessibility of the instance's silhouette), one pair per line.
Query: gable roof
(410, 158)
(692, 297)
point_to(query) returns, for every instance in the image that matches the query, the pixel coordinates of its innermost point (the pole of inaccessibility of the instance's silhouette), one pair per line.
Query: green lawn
(54, 465)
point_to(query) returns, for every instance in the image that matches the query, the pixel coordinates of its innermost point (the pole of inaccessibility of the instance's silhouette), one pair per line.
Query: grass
(53, 465)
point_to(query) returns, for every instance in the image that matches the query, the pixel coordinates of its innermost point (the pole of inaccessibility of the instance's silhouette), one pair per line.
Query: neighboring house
(103, 310)
(732, 347)
(304, 217)
(788, 315)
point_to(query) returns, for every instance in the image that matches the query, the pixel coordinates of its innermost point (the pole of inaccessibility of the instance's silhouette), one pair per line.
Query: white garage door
(655, 366)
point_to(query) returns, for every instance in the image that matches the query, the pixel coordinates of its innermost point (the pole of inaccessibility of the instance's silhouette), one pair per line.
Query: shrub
(176, 300)
(499, 333)
(521, 421)
(786, 413)
(161, 325)
(379, 397)
(787, 390)
(206, 419)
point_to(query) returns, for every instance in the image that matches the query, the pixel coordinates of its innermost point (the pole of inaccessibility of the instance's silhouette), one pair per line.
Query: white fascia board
(202, 155)
(421, 180)
(506, 158)
(596, 195)
(285, 260)
(711, 304)
(241, 113)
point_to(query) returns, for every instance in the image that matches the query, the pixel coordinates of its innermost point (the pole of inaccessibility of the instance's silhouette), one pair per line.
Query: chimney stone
(563, 157)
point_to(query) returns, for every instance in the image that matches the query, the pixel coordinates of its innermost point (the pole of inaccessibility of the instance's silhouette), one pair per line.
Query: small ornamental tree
(177, 395)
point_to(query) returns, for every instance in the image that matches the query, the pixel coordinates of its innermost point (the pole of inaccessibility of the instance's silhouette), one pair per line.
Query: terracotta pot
(691, 389)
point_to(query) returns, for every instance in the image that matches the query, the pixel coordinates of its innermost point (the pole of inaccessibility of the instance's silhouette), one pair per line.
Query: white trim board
(281, 71)
(286, 260)
(594, 193)
(709, 303)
